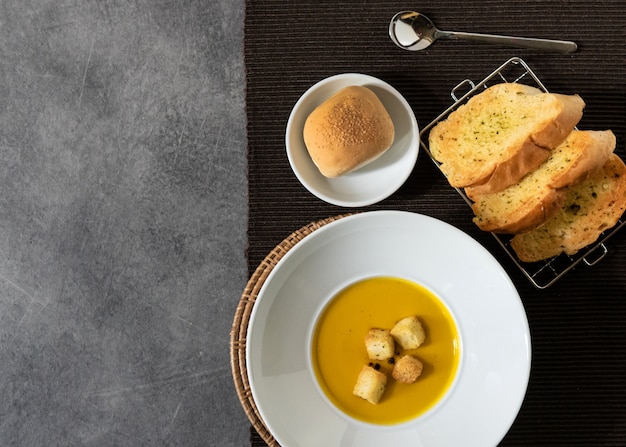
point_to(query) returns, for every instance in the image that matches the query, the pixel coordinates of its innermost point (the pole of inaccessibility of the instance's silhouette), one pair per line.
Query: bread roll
(349, 130)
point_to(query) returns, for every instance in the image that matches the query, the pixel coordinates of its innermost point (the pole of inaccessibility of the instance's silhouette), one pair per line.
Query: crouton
(409, 333)
(370, 384)
(379, 344)
(407, 369)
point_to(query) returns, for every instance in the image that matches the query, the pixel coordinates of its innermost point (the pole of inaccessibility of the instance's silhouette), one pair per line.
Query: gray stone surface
(122, 221)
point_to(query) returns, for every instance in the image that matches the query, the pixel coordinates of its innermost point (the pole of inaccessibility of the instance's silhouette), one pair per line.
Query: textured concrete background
(122, 221)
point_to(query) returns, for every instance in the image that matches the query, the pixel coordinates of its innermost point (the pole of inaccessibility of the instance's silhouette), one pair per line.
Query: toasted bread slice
(540, 194)
(501, 134)
(591, 207)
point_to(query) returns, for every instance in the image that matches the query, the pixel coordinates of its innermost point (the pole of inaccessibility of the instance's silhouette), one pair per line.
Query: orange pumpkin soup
(338, 349)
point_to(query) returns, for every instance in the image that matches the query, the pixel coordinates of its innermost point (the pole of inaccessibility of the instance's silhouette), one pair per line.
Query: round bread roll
(349, 130)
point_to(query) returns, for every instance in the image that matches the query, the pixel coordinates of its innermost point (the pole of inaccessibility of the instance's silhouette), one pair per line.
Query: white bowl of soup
(338, 352)
(476, 353)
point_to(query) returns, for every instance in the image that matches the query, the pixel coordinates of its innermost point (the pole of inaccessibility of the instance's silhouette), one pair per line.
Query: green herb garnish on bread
(501, 134)
(540, 193)
(590, 208)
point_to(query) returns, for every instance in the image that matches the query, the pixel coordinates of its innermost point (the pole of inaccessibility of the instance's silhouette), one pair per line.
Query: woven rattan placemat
(242, 318)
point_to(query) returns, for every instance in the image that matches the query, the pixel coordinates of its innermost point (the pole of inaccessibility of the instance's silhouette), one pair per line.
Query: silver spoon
(413, 31)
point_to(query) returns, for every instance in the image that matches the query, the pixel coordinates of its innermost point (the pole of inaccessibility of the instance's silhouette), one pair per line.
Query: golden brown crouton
(379, 344)
(370, 384)
(407, 369)
(409, 333)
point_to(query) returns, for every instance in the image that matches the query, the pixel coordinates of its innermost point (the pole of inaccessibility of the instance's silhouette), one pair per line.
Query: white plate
(375, 181)
(495, 339)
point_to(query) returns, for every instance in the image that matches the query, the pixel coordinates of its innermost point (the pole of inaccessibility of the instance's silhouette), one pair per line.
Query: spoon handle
(561, 46)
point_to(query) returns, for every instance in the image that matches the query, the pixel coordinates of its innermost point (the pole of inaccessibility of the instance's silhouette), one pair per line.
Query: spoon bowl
(413, 31)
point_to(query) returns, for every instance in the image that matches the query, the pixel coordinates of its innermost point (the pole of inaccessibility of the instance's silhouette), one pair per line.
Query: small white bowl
(373, 182)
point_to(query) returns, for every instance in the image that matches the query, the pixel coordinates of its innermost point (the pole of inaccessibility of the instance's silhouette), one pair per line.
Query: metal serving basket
(544, 273)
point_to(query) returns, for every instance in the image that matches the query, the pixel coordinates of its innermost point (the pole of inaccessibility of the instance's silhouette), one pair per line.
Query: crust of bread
(350, 129)
(529, 157)
(591, 207)
(593, 149)
(524, 216)
(541, 193)
(501, 134)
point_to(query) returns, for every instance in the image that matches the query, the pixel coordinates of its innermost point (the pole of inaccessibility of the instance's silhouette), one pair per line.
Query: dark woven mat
(577, 390)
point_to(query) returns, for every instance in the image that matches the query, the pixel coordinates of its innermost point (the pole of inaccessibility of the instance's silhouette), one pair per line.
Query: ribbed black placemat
(577, 390)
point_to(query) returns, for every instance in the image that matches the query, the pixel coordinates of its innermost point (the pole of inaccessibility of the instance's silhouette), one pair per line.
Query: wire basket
(542, 274)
